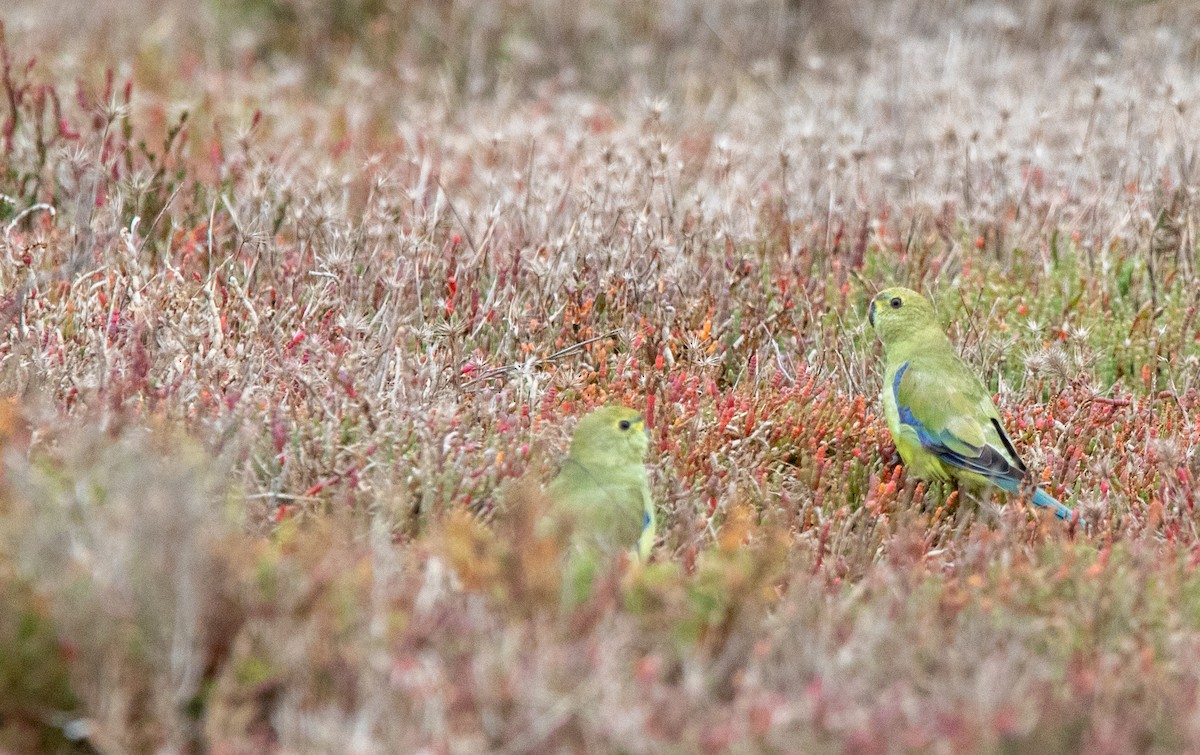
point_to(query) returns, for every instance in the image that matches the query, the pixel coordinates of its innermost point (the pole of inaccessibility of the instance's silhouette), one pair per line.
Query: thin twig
(24, 213)
(496, 372)
(778, 354)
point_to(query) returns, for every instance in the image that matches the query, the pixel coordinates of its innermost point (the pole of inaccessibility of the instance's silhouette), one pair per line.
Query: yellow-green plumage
(603, 486)
(941, 416)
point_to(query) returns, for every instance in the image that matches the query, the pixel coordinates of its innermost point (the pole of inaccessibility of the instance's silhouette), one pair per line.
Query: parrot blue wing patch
(645, 520)
(906, 415)
(985, 461)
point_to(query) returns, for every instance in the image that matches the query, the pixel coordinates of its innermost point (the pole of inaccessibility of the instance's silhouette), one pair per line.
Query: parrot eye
(624, 424)
(895, 302)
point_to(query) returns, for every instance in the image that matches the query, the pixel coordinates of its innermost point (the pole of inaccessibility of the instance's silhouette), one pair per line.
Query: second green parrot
(603, 485)
(941, 416)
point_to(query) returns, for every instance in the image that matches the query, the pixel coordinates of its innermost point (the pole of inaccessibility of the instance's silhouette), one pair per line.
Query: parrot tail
(1043, 499)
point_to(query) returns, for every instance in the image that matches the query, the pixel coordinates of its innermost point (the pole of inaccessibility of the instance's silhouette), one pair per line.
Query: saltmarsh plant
(126, 548)
(375, 306)
(76, 152)
(39, 702)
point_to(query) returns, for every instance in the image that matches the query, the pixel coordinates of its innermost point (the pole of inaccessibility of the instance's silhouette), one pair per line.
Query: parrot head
(611, 435)
(898, 313)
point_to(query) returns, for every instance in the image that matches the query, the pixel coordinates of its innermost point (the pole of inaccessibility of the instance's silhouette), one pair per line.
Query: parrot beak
(871, 314)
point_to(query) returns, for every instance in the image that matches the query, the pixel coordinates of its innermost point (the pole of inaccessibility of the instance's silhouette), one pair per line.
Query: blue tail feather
(1044, 499)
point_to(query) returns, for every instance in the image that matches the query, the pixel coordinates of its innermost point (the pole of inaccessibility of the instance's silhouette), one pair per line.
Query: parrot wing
(949, 411)
(610, 506)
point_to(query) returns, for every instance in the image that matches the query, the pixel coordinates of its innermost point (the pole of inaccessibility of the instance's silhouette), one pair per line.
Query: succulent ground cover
(301, 300)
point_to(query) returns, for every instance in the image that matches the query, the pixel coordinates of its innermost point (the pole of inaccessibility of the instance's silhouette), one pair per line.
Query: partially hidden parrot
(602, 485)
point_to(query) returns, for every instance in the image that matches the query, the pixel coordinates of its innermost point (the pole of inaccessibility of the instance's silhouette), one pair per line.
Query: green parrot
(603, 486)
(941, 416)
